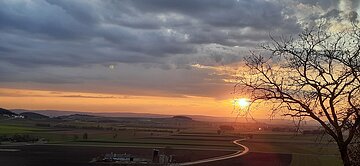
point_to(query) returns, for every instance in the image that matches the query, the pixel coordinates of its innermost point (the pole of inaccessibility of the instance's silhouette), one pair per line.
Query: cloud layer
(142, 47)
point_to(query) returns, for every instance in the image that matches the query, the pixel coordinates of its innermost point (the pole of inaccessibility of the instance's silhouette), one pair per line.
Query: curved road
(236, 154)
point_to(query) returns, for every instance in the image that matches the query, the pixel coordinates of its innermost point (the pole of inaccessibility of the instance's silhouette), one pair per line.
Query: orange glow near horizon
(96, 102)
(112, 103)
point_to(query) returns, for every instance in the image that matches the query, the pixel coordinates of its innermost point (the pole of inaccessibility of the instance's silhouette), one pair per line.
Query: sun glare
(243, 102)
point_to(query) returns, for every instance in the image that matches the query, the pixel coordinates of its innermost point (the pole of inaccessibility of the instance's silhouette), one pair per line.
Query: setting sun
(242, 102)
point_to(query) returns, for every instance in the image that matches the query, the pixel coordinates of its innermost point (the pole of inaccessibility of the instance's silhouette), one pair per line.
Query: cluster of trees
(85, 136)
(43, 124)
(18, 138)
(313, 132)
(283, 129)
(84, 127)
(225, 128)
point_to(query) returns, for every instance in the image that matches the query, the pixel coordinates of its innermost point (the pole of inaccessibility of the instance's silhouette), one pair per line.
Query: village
(130, 159)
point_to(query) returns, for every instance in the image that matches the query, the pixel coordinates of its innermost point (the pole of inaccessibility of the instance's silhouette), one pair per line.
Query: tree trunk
(344, 154)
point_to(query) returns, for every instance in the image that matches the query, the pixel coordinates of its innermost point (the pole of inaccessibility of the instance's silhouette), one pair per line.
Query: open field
(314, 160)
(66, 139)
(255, 159)
(50, 155)
(12, 129)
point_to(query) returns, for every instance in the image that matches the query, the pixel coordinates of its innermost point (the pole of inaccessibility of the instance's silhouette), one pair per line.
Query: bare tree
(354, 149)
(314, 75)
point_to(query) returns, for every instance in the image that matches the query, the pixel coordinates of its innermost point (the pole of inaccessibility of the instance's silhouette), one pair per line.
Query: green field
(305, 149)
(314, 160)
(11, 129)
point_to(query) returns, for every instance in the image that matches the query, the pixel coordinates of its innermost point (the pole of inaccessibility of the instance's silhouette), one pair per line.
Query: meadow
(171, 136)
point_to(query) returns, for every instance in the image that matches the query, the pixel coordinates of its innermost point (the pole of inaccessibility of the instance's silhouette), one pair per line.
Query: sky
(153, 56)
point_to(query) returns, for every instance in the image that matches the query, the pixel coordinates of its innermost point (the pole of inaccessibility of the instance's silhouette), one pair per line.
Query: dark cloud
(79, 10)
(139, 28)
(325, 4)
(353, 16)
(39, 18)
(231, 13)
(334, 13)
(70, 42)
(334, 8)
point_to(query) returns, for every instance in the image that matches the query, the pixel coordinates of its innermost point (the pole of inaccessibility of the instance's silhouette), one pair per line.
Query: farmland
(64, 139)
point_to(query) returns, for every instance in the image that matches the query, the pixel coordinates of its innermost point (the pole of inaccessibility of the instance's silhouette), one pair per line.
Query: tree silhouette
(354, 149)
(314, 75)
(85, 136)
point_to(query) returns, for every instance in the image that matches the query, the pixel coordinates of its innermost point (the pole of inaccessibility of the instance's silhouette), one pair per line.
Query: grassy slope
(313, 160)
(9, 129)
(306, 150)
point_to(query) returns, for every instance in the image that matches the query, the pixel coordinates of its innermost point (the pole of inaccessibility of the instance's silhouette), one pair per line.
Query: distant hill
(182, 118)
(101, 116)
(77, 117)
(57, 113)
(33, 115)
(88, 118)
(6, 112)
(50, 113)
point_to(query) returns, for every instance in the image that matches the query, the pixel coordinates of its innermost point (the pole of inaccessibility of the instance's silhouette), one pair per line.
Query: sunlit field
(175, 135)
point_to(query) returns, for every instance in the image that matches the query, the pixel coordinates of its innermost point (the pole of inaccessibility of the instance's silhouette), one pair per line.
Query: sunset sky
(152, 56)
